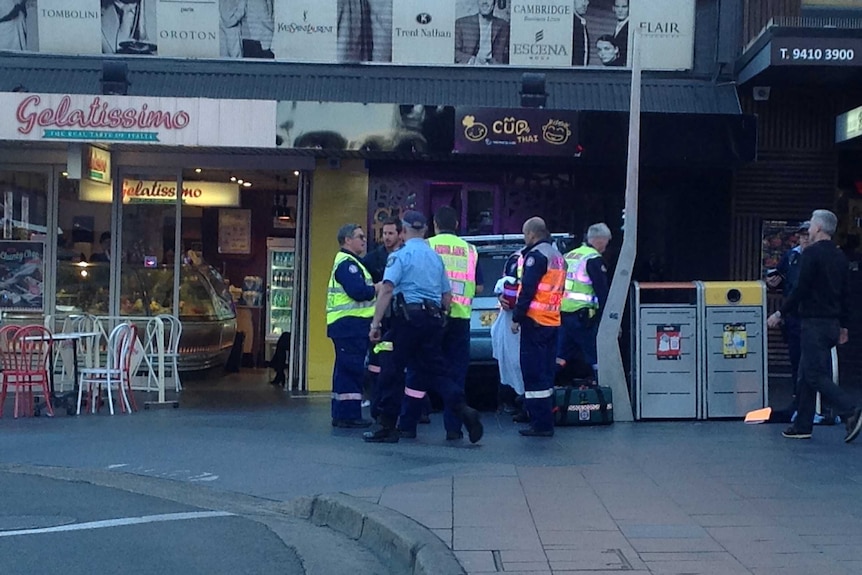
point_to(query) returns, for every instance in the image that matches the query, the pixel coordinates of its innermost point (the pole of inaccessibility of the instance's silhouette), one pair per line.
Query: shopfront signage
(516, 131)
(808, 51)
(535, 33)
(202, 194)
(138, 120)
(848, 125)
(98, 165)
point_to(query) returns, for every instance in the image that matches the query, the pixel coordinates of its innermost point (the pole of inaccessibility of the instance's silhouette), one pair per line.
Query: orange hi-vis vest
(545, 307)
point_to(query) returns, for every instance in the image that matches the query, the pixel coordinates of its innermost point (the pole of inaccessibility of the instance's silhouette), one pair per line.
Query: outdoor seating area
(84, 362)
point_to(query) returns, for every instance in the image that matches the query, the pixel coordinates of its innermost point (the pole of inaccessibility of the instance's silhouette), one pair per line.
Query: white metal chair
(116, 372)
(174, 329)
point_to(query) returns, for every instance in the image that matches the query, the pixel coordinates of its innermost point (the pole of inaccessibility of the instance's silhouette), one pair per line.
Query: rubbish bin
(733, 320)
(665, 347)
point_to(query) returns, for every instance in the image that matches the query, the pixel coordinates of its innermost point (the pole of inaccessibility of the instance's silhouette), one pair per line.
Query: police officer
(416, 278)
(586, 293)
(349, 309)
(542, 271)
(460, 260)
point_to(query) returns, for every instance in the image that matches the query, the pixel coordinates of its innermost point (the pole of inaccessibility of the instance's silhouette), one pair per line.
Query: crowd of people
(399, 318)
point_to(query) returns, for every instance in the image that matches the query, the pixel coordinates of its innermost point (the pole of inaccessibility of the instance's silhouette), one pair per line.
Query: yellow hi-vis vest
(460, 260)
(338, 303)
(580, 293)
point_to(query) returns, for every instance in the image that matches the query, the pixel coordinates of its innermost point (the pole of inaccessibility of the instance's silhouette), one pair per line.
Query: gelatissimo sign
(203, 194)
(136, 119)
(516, 131)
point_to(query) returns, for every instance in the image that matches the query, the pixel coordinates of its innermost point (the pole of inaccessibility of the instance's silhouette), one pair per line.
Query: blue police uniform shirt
(598, 273)
(350, 276)
(417, 272)
(535, 267)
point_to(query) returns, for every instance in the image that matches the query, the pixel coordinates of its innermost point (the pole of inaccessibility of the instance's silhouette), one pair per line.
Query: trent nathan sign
(139, 120)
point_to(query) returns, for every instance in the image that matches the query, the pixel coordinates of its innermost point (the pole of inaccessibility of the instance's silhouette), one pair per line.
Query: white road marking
(118, 522)
(118, 465)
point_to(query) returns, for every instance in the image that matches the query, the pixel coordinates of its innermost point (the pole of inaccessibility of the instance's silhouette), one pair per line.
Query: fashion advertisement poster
(482, 32)
(129, 27)
(541, 33)
(21, 275)
(69, 26)
(18, 25)
(365, 30)
(189, 28)
(305, 30)
(667, 33)
(366, 127)
(423, 32)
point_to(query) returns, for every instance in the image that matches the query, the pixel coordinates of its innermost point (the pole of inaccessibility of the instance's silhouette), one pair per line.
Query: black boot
(382, 434)
(470, 417)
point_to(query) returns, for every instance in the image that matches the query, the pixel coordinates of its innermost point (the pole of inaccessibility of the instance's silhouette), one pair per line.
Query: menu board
(234, 231)
(21, 275)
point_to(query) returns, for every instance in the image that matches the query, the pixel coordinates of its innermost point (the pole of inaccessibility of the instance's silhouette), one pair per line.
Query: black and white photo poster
(305, 30)
(69, 26)
(423, 32)
(188, 28)
(482, 32)
(14, 22)
(365, 30)
(541, 33)
(667, 33)
(129, 27)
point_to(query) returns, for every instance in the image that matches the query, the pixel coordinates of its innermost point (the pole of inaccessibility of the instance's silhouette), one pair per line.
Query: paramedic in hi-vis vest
(460, 260)
(586, 293)
(349, 309)
(542, 273)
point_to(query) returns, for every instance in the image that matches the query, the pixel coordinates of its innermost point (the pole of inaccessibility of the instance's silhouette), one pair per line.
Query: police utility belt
(428, 307)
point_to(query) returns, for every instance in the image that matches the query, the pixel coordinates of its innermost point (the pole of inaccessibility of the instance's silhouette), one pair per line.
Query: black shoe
(531, 432)
(454, 435)
(351, 423)
(407, 434)
(381, 435)
(509, 409)
(470, 417)
(853, 425)
(793, 433)
(521, 417)
(424, 418)
(277, 381)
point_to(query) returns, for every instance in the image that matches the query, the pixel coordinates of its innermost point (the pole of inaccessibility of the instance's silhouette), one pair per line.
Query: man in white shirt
(257, 29)
(621, 32)
(482, 38)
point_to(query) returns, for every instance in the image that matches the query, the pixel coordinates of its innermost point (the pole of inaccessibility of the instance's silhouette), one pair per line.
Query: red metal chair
(26, 354)
(7, 360)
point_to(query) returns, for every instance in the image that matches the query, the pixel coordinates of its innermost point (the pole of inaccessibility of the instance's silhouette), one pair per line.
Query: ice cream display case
(205, 305)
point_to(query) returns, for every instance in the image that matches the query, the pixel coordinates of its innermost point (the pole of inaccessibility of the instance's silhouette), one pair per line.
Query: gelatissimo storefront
(93, 223)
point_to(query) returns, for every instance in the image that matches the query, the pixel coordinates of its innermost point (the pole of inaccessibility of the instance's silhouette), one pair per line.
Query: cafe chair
(173, 332)
(25, 352)
(115, 374)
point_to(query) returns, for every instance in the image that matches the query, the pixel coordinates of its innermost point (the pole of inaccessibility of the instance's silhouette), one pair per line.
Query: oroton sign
(99, 114)
(137, 119)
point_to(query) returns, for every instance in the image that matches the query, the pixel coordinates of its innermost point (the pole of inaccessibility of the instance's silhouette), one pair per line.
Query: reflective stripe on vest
(340, 305)
(459, 259)
(580, 293)
(545, 307)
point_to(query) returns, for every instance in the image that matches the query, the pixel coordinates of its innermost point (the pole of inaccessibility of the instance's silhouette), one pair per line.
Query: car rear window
(492, 264)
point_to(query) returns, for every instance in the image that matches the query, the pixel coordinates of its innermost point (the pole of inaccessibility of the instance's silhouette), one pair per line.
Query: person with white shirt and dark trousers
(580, 35)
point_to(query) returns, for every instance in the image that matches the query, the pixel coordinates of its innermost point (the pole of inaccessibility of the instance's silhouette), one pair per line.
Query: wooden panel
(758, 12)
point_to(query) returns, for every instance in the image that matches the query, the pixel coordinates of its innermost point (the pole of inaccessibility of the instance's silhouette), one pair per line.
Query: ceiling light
(239, 181)
(296, 172)
(246, 184)
(233, 178)
(65, 174)
(197, 170)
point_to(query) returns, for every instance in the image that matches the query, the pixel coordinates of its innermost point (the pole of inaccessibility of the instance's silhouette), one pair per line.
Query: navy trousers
(577, 339)
(347, 377)
(417, 346)
(538, 364)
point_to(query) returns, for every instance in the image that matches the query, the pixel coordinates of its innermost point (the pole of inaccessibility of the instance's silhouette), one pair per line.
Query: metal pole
(611, 371)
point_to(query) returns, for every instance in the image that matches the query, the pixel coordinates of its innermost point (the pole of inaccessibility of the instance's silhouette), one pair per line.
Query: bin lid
(733, 293)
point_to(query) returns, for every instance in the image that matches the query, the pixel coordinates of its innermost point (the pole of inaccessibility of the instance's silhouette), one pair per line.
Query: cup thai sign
(532, 33)
(516, 131)
(138, 120)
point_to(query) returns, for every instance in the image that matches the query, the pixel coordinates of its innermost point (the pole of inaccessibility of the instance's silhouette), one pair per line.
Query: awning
(600, 90)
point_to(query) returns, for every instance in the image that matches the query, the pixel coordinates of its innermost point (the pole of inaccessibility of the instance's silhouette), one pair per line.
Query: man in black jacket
(821, 300)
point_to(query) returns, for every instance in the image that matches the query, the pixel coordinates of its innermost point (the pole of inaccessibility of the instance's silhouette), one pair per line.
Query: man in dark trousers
(542, 271)
(416, 278)
(621, 30)
(482, 38)
(786, 277)
(821, 299)
(349, 308)
(580, 35)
